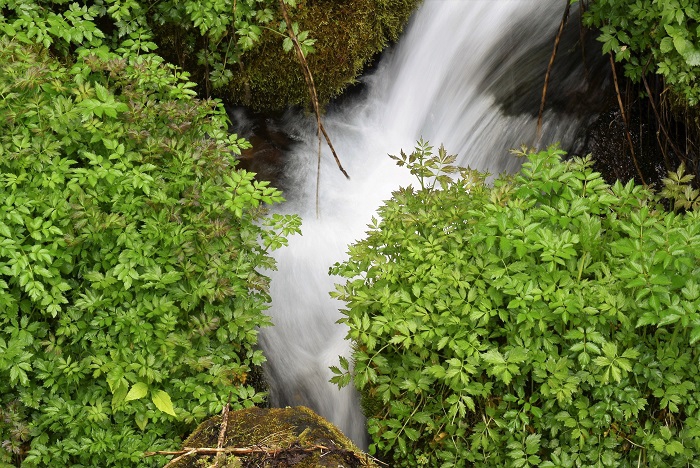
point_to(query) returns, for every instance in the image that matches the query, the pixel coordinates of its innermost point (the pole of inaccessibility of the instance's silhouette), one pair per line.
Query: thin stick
(312, 92)
(557, 39)
(222, 431)
(174, 460)
(582, 38)
(238, 450)
(318, 180)
(224, 423)
(658, 118)
(268, 451)
(624, 119)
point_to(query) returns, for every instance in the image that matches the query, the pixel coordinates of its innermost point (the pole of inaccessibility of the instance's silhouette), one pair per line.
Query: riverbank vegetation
(657, 45)
(562, 330)
(652, 37)
(547, 319)
(131, 254)
(131, 246)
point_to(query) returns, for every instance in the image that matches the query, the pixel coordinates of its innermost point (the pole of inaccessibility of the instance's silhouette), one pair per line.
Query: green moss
(290, 429)
(349, 34)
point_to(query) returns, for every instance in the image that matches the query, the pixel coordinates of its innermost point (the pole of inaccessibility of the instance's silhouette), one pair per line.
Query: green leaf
(102, 93)
(666, 45)
(162, 401)
(692, 57)
(492, 356)
(694, 335)
(141, 420)
(138, 391)
(411, 433)
(119, 394)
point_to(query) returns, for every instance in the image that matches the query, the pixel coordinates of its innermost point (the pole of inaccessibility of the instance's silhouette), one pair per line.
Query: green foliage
(548, 319)
(237, 49)
(219, 33)
(130, 256)
(661, 36)
(677, 189)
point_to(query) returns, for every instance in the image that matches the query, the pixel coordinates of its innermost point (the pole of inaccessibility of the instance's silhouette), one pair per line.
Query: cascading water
(441, 83)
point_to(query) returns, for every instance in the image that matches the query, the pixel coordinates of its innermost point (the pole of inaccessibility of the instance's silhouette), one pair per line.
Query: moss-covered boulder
(349, 34)
(273, 438)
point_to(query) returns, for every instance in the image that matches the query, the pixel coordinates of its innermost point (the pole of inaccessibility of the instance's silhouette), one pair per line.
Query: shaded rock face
(270, 144)
(580, 82)
(277, 438)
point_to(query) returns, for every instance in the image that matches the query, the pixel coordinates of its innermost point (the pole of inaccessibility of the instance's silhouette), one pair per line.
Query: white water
(431, 85)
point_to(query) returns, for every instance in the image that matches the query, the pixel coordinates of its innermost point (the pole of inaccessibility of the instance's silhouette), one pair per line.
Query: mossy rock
(277, 438)
(349, 35)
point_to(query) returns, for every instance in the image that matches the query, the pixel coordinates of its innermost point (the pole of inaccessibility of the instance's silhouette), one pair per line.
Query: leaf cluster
(661, 36)
(431, 169)
(131, 251)
(238, 50)
(224, 30)
(548, 319)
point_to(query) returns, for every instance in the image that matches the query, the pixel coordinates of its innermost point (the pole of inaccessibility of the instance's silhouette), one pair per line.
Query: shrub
(659, 36)
(236, 49)
(549, 319)
(130, 258)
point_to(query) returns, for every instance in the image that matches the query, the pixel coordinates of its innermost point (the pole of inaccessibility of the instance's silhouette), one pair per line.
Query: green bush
(238, 50)
(548, 319)
(652, 36)
(130, 258)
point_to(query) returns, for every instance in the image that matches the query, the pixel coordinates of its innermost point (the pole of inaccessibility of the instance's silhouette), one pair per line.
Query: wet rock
(580, 82)
(270, 145)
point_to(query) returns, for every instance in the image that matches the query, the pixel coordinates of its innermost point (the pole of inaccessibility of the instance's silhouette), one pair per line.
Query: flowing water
(461, 75)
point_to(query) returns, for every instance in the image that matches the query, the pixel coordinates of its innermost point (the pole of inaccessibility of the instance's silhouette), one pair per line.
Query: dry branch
(679, 154)
(314, 98)
(267, 451)
(222, 431)
(557, 39)
(624, 119)
(224, 423)
(272, 451)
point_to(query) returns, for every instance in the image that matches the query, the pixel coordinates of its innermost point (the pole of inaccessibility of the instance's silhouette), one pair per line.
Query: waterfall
(466, 73)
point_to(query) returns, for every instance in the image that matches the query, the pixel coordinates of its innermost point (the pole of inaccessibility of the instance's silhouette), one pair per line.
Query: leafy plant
(658, 36)
(548, 319)
(229, 28)
(131, 252)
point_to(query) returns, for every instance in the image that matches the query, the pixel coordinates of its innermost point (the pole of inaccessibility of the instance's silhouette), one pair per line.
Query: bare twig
(246, 81)
(222, 431)
(268, 451)
(679, 154)
(318, 180)
(582, 38)
(363, 458)
(624, 119)
(557, 39)
(235, 450)
(313, 94)
(224, 423)
(174, 460)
